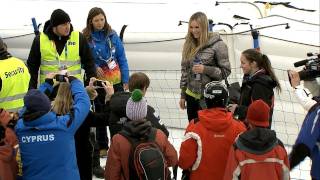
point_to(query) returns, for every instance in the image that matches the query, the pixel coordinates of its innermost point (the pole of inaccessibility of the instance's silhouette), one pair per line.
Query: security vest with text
(68, 60)
(15, 79)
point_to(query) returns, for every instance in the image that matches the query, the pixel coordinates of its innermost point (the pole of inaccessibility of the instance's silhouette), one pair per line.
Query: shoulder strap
(152, 134)
(125, 134)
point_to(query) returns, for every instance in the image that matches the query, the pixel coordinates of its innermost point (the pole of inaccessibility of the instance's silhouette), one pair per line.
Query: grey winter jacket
(214, 56)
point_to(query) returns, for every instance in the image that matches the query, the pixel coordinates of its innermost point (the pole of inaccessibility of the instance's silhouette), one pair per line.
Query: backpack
(146, 160)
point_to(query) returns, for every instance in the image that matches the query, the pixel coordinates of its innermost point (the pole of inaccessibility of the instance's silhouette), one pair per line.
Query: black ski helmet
(216, 94)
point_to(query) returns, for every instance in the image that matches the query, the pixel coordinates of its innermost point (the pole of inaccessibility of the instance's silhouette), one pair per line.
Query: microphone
(300, 63)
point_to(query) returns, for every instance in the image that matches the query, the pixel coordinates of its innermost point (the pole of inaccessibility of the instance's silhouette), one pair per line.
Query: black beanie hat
(58, 17)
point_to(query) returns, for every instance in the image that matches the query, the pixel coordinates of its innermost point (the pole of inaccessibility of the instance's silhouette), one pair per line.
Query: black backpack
(146, 160)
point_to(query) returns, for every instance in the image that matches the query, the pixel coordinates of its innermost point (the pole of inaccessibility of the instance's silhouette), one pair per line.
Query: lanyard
(57, 55)
(110, 46)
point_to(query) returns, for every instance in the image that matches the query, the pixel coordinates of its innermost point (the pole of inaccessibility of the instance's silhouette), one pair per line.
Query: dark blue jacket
(309, 137)
(101, 51)
(47, 143)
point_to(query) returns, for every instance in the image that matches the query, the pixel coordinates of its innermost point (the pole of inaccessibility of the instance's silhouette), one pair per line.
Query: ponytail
(266, 64)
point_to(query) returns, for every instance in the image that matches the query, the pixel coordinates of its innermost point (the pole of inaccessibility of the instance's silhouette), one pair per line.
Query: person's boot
(97, 170)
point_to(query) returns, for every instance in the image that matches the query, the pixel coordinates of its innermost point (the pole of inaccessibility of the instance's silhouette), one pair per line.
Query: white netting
(164, 94)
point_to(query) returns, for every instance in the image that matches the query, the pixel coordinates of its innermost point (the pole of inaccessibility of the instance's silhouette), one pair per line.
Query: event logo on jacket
(37, 138)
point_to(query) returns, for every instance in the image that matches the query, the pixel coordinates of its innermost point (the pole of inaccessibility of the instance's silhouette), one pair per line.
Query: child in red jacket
(258, 153)
(204, 151)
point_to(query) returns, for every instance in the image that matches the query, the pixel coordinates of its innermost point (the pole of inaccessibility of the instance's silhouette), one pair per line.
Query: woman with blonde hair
(204, 59)
(62, 103)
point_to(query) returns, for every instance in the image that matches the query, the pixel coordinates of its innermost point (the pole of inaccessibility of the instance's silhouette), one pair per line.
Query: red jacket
(8, 164)
(208, 142)
(257, 154)
(117, 165)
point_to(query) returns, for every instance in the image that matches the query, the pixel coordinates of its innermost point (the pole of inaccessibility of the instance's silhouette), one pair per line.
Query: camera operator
(308, 140)
(310, 72)
(303, 94)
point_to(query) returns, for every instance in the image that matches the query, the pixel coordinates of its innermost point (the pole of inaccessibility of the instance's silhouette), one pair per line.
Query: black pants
(84, 150)
(193, 106)
(101, 132)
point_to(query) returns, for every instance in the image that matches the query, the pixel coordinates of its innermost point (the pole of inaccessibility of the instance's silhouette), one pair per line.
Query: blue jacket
(47, 143)
(100, 47)
(309, 135)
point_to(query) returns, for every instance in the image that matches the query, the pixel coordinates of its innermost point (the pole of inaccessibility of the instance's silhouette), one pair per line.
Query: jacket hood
(6, 153)
(213, 38)
(38, 118)
(48, 30)
(263, 79)
(257, 140)
(4, 55)
(216, 119)
(118, 103)
(31, 116)
(137, 128)
(100, 35)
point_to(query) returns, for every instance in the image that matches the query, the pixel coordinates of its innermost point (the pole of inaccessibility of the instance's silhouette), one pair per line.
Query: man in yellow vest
(14, 80)
(59, 49)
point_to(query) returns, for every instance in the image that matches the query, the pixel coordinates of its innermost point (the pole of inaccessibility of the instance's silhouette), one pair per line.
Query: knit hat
(136, 106)
(58, 17)
(36, 101)
(258, 113)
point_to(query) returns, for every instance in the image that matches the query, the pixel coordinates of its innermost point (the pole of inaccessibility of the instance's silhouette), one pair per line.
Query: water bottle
(197, 76)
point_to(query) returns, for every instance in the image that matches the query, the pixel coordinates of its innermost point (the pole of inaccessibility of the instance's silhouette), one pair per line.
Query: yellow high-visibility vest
(51, 61)
(15, 79)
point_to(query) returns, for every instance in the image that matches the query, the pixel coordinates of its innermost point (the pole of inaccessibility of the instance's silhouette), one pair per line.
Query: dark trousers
(193, 106)
(101, 132)
(95, 154)
(84, 152)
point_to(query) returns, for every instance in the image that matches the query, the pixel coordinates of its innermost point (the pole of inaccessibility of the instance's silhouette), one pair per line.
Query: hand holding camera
(106, 85)
(61, 78)
(58, 77)
(294, 78)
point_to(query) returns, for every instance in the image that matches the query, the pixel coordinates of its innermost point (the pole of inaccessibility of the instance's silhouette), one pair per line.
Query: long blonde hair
(191, 45)
(62, 104)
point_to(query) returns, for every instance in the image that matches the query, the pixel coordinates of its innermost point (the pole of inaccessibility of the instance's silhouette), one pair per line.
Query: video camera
(312, 67)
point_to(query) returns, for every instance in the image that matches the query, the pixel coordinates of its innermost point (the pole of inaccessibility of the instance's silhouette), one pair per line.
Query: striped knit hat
(136, 106)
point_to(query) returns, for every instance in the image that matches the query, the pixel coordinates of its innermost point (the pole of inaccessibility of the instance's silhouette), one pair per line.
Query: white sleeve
(304, 97)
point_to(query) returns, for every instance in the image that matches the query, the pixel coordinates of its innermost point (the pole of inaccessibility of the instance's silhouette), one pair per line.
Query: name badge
(111, 64)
